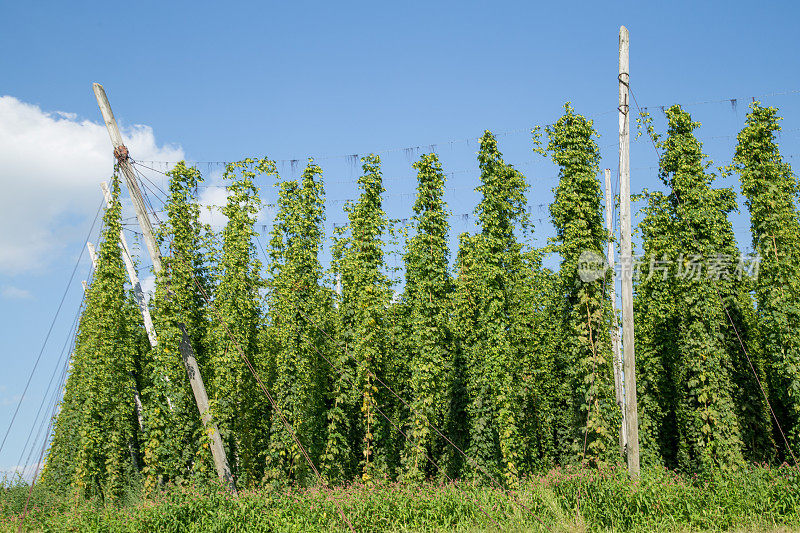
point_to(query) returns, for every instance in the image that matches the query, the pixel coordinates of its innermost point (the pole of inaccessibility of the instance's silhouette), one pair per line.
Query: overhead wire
(433, 147)
(409, 178)
(61, 382)
(50, 329)
(353, 157)
(55, 399)
(732, 101)
(46, 394)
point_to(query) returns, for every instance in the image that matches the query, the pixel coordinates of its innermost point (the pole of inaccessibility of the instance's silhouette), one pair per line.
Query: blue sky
(220, 81)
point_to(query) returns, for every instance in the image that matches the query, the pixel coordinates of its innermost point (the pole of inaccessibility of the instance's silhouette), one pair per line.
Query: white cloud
(148, 284)
(214, 196)
(10, 292)
(10, 400)
(211, 200)
(51, 165)
(13, 474)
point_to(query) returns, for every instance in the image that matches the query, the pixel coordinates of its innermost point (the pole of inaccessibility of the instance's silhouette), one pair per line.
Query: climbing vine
(693, 416)
(490, 270)
(427, 291)
(366, 295)
(176, 447)
(584, 367)
(95, 443)
(771, 192)
(241, 408)
(300, 313)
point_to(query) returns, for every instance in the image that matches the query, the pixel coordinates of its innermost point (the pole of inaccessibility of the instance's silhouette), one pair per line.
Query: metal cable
(50, 329)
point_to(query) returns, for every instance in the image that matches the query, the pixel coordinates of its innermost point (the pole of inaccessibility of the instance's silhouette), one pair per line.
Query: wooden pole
(615, 345)
(192, 371)
(217, 449)
(626, 258)
(121, 154)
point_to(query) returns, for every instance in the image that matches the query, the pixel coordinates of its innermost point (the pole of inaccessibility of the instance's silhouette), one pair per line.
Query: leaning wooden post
(615, 345)
(626, 258)
(121, 154)
(193, 372)
(189, 361)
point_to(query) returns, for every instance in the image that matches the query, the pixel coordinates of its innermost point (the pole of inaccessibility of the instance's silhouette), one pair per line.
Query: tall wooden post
(121, 154)
(615, 344)
(192, 370)
(626, 257)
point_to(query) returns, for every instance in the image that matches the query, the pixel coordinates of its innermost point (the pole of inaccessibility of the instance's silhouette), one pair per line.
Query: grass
(568, 499)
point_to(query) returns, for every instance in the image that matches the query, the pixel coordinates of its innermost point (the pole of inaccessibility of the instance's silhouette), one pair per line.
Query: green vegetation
(428, 348)
(568, 499)
(488, 304)
(297, 303)
(771, 192)
(95, 444)
(360, 445)
(584, 364)
(417, 406)
(701, 406)
(173, 449)
(240, 408)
